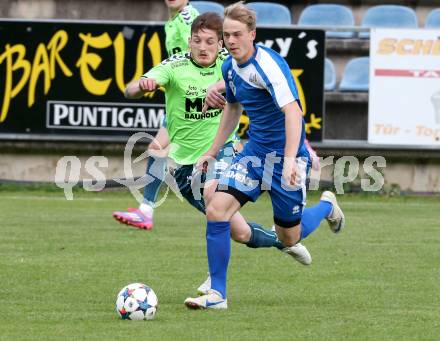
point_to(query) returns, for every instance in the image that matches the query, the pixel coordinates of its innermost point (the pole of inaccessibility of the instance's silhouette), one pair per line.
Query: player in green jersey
(186, 78)
(177, 33)
(178, 27)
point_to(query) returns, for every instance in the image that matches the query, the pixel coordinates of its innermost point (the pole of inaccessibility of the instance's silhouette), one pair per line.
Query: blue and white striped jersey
(263, 85)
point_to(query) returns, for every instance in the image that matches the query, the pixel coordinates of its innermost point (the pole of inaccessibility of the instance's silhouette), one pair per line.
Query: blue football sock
(312, 216)
(155, 173)
(261, 237)
(218, 244)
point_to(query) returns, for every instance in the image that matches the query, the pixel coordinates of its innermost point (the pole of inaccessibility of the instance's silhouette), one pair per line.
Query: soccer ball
(136, 301)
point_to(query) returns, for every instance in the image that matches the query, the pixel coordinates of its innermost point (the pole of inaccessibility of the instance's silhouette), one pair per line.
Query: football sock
(146, 209)
(155, 174)
(218, 244)
(312, 216)
(261, 237)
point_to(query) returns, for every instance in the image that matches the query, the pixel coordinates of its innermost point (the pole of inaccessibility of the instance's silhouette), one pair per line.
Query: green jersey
(178, 30)
(191, 132)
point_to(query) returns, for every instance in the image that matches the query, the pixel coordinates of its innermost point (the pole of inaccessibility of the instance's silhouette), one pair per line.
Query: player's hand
(316, 165)
(147, 84)
(290, 171)
(214, 99)
(204, 161)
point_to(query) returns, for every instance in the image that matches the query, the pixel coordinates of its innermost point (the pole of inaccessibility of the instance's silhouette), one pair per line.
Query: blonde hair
(239, 12)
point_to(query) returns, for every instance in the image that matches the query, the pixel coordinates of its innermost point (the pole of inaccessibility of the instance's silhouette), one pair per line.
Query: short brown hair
(239, 12)
(208, 21)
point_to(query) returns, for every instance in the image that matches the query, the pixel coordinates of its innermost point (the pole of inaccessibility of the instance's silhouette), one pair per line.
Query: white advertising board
(404, 95)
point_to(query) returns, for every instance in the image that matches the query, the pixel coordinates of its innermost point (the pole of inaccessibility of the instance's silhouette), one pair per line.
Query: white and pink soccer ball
(136, 301)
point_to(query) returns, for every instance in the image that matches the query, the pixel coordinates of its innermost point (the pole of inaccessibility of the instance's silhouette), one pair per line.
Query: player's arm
(228, 123)
(293, 121)
(160, 75)
(138, 88)
(281, 86)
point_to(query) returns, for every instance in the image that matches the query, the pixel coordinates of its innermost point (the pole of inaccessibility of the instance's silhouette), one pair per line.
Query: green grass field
(63, 262)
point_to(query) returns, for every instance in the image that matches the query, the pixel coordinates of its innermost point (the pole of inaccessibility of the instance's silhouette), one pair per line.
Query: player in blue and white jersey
(275, 159)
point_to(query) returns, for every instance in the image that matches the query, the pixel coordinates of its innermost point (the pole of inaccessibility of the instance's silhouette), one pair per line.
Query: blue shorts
(190, 180)
(250, 174)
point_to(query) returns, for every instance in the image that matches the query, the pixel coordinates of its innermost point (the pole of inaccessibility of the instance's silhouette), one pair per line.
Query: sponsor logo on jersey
(202, 116)
(204, 74)
(239, 173)
(194, 106)
(253, 78)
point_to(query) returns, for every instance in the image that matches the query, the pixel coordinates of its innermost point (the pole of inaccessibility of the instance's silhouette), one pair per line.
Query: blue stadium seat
(328, 15)
(329, 75)
(392, 16)
(356, 75)
(433, 19)
(269, 13)
(208, 6)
